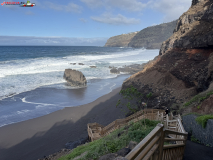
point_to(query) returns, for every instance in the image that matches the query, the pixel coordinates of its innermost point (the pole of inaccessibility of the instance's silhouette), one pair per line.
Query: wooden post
(161, 143)
(167, 121)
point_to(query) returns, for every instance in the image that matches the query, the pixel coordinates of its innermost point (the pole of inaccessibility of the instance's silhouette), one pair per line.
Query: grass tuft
(202, 120)
(198, 98)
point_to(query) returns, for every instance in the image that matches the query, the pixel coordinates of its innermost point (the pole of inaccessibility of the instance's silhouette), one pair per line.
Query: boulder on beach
(75, 78)
(114, 71)
(73, 63)
(92, 66)
(80, 64)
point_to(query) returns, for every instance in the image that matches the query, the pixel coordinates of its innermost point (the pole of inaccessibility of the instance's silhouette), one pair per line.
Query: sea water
(32, 84)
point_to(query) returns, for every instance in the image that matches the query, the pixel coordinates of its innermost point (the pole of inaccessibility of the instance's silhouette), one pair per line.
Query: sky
(82, 22)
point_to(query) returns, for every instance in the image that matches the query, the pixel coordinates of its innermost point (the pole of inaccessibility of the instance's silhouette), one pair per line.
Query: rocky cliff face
(153, 37)
(120, 40)
(184, 67)
(194, 28)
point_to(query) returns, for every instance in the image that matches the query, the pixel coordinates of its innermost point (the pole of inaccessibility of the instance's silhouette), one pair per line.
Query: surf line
(24, 101)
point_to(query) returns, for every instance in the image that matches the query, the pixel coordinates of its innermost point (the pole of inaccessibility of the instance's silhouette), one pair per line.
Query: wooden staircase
(153, 146)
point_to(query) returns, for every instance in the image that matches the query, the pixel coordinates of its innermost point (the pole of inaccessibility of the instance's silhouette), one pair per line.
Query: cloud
(128, 5)
(93, 3)
(70, 7)
(172, 9)
(51, 41)
(83, 20)
(115, 19)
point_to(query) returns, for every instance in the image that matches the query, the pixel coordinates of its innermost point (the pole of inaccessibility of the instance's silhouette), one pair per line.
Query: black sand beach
(39, 137)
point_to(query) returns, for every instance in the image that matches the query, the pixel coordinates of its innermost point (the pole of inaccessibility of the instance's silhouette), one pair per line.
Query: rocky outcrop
(114, 71)
(184, 67)
(75, 78)
(194, 29)
(92, 66)
(120, 40)
(153, 37)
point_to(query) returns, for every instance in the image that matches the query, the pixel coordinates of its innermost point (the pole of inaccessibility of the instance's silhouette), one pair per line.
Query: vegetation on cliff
(114, 142)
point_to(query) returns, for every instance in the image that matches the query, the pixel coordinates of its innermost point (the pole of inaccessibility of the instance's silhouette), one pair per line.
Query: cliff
(184, 67)
(153, 37)
(120, 40)
(150, 37)
(194, 28)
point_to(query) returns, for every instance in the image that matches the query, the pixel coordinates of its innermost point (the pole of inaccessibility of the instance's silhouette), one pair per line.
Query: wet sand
(39, 137)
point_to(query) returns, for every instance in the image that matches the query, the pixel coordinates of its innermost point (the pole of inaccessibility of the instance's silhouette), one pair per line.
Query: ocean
(32, 84)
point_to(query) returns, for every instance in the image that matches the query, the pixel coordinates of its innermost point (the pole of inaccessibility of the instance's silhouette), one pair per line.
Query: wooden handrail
(151, 137)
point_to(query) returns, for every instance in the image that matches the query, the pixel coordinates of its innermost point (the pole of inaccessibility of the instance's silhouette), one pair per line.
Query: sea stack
(75, 78)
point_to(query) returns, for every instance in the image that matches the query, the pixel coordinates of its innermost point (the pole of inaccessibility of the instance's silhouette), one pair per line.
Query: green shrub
(202, 120)
(193, 139)
(198, 98)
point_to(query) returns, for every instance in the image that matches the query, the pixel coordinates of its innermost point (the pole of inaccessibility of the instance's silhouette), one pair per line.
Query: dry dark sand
(39, 137)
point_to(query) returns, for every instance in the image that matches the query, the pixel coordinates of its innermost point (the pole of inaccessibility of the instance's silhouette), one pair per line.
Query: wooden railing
(154, 146)
(96, 131)
(150, 147)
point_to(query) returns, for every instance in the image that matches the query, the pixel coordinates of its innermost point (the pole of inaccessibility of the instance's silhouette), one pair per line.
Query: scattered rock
(73, 63)
(92, 66)
(110, 156)
(114, 71)
(123, 152)
(120, 158)
(75, 78)
(82, 155)
(80, 64)
(74, 144)
(132, 144)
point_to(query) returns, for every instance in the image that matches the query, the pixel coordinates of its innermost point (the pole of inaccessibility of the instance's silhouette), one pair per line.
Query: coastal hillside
(181, 76)
(152, 37)
(120, 40)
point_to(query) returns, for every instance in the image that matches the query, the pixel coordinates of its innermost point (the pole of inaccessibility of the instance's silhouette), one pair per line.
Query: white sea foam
(43, 104)
(17, 76)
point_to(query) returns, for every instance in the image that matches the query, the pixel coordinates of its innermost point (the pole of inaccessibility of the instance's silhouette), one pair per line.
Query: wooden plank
(175, 132)
(145, 151)
(174, 139)
(173, 146)
(161, 145)
(151, 152)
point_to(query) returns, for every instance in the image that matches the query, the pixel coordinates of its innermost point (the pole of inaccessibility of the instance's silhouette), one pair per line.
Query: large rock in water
(75, 78)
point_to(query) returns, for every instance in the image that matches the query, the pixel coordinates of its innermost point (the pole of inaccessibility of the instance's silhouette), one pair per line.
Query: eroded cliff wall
(183, 68)
(153, 37)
